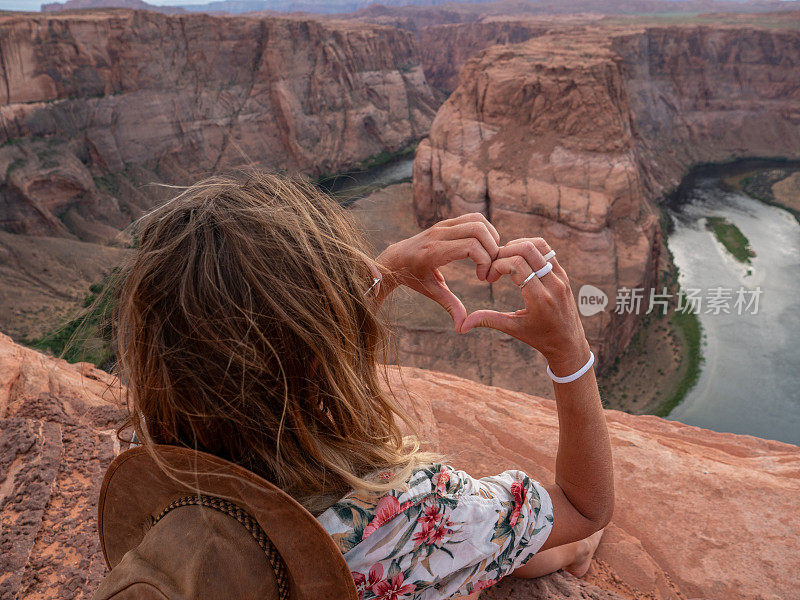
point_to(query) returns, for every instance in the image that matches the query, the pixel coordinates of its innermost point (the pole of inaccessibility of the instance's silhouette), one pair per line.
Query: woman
(248, 328)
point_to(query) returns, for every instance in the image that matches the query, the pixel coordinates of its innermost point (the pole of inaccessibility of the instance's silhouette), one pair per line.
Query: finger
(514, 266)
(475, 230)
(471, 248)
(520, 271)
(544, 248)
(540, 243)
(437, 290)
(505, 322)
(528, 250)
(532, 249)
(471, 218)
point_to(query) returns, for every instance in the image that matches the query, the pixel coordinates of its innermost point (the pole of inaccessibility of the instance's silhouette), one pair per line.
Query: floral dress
(445, 534)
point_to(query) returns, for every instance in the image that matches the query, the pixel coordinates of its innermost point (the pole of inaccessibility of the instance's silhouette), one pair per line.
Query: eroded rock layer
(86, 95)
(573, 136)
(57, 436)
(445, 48)
(698, 514)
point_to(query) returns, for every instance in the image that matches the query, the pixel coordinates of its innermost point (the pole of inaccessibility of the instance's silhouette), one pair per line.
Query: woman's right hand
(583, 494)
(549, 322)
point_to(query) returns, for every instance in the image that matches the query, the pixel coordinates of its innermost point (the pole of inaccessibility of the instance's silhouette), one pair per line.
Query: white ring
(375, 281)
(550, 255)
(544, 270)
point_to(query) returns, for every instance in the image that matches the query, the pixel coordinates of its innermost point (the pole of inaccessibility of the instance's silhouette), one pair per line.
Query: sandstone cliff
(699, 514)
(96, 106)
(85, 95)
(57, 436)
(446, 48)
(574, 136)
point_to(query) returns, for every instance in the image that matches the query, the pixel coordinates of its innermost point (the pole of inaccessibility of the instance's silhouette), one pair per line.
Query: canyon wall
(446, 48)
(86, 95)
(699, 514)
(95, 107)
(573, 137)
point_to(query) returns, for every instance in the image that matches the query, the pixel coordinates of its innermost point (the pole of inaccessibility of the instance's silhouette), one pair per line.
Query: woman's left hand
(415, 262)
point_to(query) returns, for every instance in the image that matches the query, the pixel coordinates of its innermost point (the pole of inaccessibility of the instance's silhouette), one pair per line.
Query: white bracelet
(576, 374)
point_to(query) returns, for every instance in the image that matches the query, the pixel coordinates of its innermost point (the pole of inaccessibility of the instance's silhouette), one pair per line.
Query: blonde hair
(244, 330)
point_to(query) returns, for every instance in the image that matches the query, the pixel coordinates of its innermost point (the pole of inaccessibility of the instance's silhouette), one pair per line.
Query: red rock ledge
(699, 514)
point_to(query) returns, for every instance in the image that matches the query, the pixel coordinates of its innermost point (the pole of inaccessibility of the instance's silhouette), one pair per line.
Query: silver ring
(549, 255)
(527, 279)
(540, 273)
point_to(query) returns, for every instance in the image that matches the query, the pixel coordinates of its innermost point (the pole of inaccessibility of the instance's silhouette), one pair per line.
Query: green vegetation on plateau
(87, 336)
(731, 237)
(688, 325)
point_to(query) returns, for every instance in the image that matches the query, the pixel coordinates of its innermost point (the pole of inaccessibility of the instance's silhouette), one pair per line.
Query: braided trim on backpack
(252, 526)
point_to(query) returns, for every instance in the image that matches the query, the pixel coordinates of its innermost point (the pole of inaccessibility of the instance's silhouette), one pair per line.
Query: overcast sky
(35, 4)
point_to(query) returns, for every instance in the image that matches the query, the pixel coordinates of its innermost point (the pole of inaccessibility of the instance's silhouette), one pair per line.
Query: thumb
(438, 291)
(489, 318)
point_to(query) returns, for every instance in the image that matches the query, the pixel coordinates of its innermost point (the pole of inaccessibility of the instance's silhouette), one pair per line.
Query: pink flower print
(437, 536)
(485, 584)
(387, 509)
(363, 583)
(430, 534)
(431, 516)
(423, 534)
(392, 590)
(442, 479)
(519, 493)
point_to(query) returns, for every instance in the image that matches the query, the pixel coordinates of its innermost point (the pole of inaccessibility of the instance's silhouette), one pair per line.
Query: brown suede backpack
(210, 530)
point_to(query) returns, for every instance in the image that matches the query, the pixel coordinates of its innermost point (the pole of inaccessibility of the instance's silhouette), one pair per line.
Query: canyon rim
(573, 128)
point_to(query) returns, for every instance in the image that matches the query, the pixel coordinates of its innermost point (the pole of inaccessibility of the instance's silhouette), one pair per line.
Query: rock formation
(57, 436)
(97, 106)
(698, 515)
(446, 48)
(85, 95)
(573, 137)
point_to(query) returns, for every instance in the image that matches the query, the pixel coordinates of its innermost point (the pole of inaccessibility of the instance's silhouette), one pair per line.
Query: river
(349, 187)
(750, 377)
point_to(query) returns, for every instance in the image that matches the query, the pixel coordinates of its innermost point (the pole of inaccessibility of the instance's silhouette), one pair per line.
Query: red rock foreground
(699, 514)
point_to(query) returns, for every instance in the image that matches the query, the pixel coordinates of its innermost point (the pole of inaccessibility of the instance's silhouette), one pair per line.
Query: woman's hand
(415, 262)
(549, 322)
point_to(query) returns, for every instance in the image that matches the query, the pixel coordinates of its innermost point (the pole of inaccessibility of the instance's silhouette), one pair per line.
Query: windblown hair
(244, 329)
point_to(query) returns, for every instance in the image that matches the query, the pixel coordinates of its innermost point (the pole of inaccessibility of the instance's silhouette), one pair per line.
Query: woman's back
(248, 327)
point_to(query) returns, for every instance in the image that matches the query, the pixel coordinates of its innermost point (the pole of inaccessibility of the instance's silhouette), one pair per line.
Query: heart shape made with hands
(516, 270)
(471, 236)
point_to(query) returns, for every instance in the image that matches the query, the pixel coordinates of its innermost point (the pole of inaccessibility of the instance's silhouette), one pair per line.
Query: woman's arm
(583, 494)
(415, 262)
